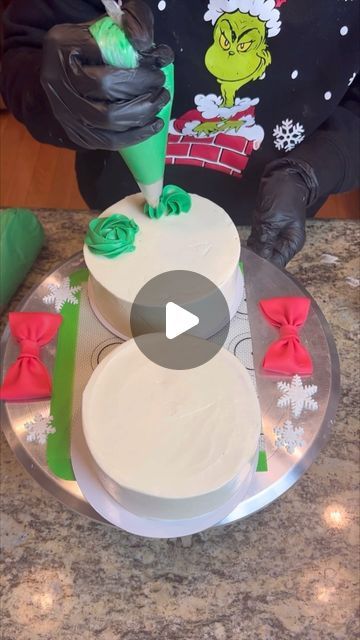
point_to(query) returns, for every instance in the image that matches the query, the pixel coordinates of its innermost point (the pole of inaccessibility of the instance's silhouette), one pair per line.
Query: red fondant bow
(28, 378)
(287, 355)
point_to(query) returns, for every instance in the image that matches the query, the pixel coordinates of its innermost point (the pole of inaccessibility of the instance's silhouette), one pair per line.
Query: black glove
(100, 106)
(278, 228)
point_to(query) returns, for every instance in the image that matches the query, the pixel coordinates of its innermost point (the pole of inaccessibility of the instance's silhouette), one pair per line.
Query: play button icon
(178, 320)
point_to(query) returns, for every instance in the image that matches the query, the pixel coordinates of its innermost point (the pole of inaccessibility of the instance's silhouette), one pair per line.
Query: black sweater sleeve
(333, 150)
(25, 26)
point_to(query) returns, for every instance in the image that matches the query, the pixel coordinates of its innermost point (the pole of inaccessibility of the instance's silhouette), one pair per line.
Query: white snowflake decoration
(39, 429)
(297, 396)
(288, 135)
(62, 293)
(289, 437)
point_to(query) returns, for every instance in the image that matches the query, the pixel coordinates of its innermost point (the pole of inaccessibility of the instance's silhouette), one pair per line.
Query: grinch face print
(238, 54)
(221, 132)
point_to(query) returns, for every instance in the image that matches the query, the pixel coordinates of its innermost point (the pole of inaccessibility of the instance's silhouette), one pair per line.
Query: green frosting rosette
(173, 201)
(111, 236)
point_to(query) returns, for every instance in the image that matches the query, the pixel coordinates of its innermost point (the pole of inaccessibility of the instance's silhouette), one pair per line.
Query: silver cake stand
(288, 458)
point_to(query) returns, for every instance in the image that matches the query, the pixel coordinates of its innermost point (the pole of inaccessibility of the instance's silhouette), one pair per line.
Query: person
(266, 112)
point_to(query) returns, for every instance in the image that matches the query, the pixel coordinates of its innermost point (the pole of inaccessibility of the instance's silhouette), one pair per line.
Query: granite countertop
(288, 572)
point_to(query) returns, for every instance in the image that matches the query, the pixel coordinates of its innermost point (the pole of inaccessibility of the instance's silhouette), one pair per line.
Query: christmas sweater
(253, 79)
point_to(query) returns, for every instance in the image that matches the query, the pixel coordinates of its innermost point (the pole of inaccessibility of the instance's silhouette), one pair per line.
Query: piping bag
(146, 160)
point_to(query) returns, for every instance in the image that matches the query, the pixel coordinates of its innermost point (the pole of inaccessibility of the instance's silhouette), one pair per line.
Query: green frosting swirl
(173, 201)
(111, 236)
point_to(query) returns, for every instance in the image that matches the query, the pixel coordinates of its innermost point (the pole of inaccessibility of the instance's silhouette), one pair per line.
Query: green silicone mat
(82, 343)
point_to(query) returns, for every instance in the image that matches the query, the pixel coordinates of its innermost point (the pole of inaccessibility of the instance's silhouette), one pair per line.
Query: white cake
(169, 443)
(204, 240)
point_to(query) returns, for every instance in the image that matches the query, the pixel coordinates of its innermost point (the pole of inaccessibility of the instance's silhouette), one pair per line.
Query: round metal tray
(262, 280)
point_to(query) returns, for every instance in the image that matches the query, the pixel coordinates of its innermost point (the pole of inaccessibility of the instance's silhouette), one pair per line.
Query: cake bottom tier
(181, 508)
(170, 443)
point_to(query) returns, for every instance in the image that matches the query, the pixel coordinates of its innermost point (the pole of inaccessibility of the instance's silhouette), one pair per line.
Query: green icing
(145, 159)
(173, 201)
(111, 236)
(115, 47)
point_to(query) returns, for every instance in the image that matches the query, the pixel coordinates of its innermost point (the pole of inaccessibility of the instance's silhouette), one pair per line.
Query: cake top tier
(170, 433)
(204, 240)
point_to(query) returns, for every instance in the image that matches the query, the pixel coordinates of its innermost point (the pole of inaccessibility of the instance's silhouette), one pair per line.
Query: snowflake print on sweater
(297, 396)
(61, 293)
(287, 135)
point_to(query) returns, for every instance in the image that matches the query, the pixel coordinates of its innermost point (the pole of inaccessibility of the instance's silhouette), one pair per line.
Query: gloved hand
(278, 228)
(100, 106)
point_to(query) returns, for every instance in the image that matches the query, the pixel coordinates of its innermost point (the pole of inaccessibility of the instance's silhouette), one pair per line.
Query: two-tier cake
(167, 443)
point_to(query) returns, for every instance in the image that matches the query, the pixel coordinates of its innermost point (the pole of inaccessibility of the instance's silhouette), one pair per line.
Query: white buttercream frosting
(170, 434)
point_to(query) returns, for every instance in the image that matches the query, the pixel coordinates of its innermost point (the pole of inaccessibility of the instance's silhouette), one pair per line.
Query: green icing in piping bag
(146, 160)
(114, 44)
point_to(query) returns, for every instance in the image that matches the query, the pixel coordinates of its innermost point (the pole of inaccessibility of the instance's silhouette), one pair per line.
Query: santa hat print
(265, 10)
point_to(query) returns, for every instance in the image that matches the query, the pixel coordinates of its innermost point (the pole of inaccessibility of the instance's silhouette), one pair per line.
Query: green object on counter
(173, 201)
(146, 160)
(21, 238)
